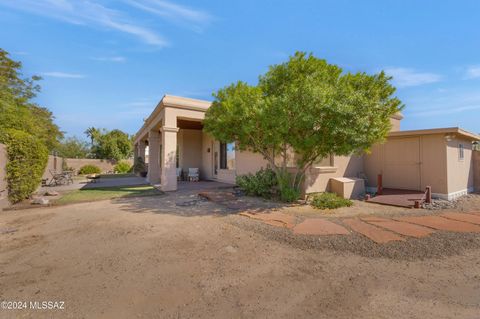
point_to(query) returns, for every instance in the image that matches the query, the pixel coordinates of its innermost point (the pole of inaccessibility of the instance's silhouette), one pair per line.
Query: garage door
(402, 163)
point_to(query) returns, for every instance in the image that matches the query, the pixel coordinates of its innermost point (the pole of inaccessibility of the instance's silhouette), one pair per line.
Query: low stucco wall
(476, 170)
(55, 164)
(3, 182)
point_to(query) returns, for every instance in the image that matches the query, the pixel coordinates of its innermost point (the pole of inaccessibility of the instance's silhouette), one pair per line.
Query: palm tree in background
(92, 133)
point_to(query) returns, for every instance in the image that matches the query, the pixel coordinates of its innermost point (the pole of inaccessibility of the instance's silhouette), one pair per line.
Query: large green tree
(73, 147)
(306, 107)
(17, 108)
(113, 144)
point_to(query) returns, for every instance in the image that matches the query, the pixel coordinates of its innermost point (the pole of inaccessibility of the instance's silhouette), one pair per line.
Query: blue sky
(107, 63)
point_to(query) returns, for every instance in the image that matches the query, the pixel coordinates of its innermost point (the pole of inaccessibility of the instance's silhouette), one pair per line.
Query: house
(412, 160)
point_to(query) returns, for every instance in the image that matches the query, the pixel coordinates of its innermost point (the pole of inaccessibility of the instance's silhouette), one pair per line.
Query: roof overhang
(447, 131)
(174, 102)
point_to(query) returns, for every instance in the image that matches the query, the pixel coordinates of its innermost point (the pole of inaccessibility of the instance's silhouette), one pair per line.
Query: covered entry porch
(172, 141)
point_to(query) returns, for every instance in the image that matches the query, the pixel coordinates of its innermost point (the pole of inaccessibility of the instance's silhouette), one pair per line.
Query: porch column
(135, 152)
(153, 156)
(141, 150)
(169, 157)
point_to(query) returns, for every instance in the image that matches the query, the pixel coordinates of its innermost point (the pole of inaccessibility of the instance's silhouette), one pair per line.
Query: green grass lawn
(94, 194)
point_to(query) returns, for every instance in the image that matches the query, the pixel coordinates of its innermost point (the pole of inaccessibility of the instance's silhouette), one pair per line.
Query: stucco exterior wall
(190, 147)
(476, 170)
(317, 179)
(77, 163)
(206, 156)
(248, 162)
(3, 182)
(460, 172)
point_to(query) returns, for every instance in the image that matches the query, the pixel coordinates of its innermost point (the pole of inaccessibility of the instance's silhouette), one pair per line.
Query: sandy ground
(149, 258)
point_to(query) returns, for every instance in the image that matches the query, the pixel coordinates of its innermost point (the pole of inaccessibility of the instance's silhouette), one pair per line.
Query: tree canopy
(113, 144)
(73, 147)
(306, 107)
(17, 109)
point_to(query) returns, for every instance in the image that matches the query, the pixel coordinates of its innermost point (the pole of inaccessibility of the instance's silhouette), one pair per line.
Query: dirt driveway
(171, 257)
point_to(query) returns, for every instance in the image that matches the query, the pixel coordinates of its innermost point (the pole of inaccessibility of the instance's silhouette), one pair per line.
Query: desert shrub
(329, 201)
(27, 159)
(139, 166)
(89, 169)
(263, 183)
(286, 192)
(122, 167)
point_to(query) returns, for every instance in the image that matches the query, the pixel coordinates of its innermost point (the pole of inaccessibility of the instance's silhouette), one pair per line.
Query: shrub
(262, 184)
(89, 169)
(27, 159)
(329, 201)
(286, 192)
(139, 166)
(122, 167)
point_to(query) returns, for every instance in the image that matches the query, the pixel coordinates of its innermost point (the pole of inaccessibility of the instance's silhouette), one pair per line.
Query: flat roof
(446, 130)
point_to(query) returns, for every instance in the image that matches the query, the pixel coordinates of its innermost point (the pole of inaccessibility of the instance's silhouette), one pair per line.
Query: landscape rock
(40, 201)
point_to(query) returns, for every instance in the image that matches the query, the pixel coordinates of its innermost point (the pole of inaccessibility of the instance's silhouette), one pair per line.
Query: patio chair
(193, 174)
(179, 173)
(57, 178)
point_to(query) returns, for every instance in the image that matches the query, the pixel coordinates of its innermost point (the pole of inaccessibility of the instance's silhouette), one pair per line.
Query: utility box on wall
(348, 187)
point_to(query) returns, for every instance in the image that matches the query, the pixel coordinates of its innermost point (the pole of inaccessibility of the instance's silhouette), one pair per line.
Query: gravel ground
(152, 258)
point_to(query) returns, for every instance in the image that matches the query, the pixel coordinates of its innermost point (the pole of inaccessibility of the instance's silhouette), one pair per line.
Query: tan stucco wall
(77, 163)
(429, 151)
(248, 162)
(460, 172)
(207, 151)
(190, 148)
(3, 183)
(317, 179)
(476, 170)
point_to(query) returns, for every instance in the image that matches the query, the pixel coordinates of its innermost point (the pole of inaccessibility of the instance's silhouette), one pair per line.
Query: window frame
(461, 152)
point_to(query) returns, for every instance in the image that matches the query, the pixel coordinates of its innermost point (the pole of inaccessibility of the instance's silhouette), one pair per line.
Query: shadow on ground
(188, 203)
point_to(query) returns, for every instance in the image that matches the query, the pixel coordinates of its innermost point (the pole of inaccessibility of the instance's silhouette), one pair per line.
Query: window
(461, 152)
(324, 162)
(227, 156)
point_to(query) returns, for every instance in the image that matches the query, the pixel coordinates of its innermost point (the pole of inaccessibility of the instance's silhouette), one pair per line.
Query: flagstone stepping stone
(318, 226)
(274, 219)
(469, 218)
(441, 223)
(401, 228)
(374, 233)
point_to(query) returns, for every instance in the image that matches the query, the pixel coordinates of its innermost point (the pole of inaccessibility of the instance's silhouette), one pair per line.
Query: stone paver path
(274, 219)
(469, 218)
(401, 228)
(376, 234)
(378, 229)
(319, 226)
(441, 223)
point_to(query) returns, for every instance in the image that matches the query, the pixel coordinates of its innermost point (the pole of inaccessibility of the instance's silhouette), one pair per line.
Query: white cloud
(118, 59)
(87, 13)
(473, 72)
(195, 19)
(63, 75)
(404, 77)
(446, 110)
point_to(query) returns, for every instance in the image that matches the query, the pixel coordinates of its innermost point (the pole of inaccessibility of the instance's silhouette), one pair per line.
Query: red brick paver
(376, 234)
(318, 226)
(469, 218)
(401, 228)
(441, 223)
